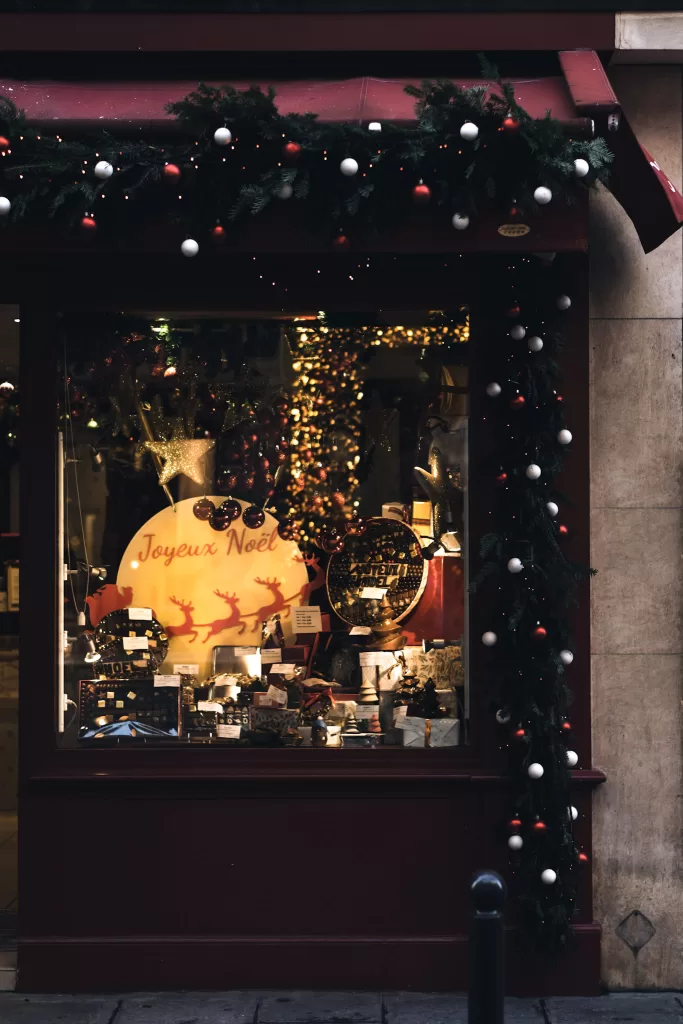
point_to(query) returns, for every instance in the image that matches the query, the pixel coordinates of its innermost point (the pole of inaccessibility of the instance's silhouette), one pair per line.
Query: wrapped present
(444, 732)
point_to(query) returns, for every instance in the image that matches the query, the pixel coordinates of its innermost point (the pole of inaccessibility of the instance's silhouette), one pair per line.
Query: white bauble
(553, 509)
(566, 657)
(503, 717)
(469, 131)
(542, 195)
(5, 205)
(493, 389)
(535, 343)
(517, 332)
(103, 169)
(460, 221)
(515, 842)
(285, 191)
(564, 437)
(189, 247)
(222, 136)
(489, 639)
(572, 758)
(581, 167)
(515, 565)
(535, 770)
(548, 877)
(349, 167)
(533, 471)
(375, 126)
(574, 813)
(563, 302)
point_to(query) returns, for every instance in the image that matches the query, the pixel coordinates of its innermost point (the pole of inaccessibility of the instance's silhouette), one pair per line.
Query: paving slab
(617, 1008)
(189, 1008)
(321, 1008)
(445, 1008)
(20, 1009)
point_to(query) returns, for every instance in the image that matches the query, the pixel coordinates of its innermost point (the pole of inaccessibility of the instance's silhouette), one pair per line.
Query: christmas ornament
(341, 242)
(515, 565)
(338, 499)
(230, 508)
(540, 632)
(564, 437)
(222, 136)
(375, 126)
(356, 526)
(542, 195)
(103, 170)
(469, 131)
(285, 191)
(515, 842)
(548, 877)
(572, 758)
(287, 529)
(511, 125)
(180, 456)
(563, 530)
(563, 302)
(189, 247)
(203, 509)
(502, 717)
(171, 171)
(219, 520)
(581, 167)
(460, 221)
(519, 734)
(535, 770)
(349, 167)
(254, 517)
(517, 402)
(535, 344)
(540, 826)
(218, 232)
(515, 823)
(583, 858)
(367, 693)
(517, 332)
(436, 485)
(501, 478)
(421, 194)
(566, 657)
(331, 542)
(88, 223)
(5, 206)
(574, 813)
(489, 639)
(553, 509)
(493, 389)
(4, 142)
(292, 150)
(533, 471)
(512, 311)
(566, 727)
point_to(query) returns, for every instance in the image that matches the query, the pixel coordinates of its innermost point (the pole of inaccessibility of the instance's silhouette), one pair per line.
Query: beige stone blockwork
(636, 413)
(638, 814)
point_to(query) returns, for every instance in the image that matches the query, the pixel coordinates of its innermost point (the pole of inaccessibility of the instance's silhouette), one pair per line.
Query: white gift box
(445, 732)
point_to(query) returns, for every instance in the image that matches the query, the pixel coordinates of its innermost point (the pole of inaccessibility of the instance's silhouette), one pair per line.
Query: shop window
(264, 527)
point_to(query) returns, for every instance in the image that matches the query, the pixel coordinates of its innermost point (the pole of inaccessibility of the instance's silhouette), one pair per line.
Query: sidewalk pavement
(329, 1008)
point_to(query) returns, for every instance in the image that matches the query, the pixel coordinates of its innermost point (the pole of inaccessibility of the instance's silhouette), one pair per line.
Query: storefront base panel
(128, 964)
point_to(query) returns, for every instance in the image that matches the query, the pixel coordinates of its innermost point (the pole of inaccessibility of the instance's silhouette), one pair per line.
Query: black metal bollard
(485, 1004)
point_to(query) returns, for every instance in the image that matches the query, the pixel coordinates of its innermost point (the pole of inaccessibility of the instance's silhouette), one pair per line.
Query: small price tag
(245, 652)
(278, 696)
(364, 712)
(360, 631)
(383, 659)
(270, 655)
(135, 643)
(399, 714)
(169, 680)
(283, 669)
(140, 613)
(209, 705)
(307, 619)
(228, 732)
(186, 670)
(373, 593)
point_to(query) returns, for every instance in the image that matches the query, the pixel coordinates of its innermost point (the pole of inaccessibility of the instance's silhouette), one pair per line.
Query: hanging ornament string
(149, 435)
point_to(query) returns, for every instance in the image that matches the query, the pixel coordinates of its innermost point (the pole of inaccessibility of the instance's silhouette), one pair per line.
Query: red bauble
(563, 529)
(218, 233)
(422, 194)
(567, 726)
(331, 542)
(501, 478)
(515, 823)
(219, 520)
(316, 503)
(292, 150)
(230, 508)
(280, 458)
(321, 473)
(247, 481)
(513, 311)
(338, 499)
(517, 402)
(341, 242)
(583, 857)
(540, 826)
(559, 398)
(4, 142)
(356, 526)
(88, 223)
(307, 454)
(282, 422)
(203, 509)
(519, 734)
(254, 517)
(263, 463)
(511, 125)
(540, 632)
(288, 529)
(171, 171)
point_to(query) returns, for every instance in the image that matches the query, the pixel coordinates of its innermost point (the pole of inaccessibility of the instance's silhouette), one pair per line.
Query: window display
(264, 528)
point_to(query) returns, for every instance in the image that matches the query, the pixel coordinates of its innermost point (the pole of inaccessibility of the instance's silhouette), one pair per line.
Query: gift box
(444, 732)
(279, 720)
(361, 739)
(441, 609)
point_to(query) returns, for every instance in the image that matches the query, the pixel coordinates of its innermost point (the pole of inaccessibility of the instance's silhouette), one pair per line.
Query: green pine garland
(48, 176)
(531, 622)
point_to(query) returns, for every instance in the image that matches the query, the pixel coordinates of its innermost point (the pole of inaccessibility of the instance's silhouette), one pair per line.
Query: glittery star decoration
(181, 456)
(278, 371)
(436, 485)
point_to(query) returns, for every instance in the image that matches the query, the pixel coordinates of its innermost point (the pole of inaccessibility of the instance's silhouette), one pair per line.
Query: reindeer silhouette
(187, 626)
(278, 604)
(313, 562)
(234, 619)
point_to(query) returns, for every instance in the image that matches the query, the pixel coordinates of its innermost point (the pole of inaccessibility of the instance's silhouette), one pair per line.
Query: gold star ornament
(436, 486)
(181, 456)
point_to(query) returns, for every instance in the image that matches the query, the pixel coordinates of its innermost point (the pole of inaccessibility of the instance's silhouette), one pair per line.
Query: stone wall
(636, 398)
